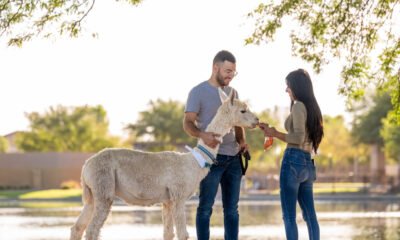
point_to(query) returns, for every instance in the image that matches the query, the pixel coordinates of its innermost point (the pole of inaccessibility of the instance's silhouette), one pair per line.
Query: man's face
(226, 71)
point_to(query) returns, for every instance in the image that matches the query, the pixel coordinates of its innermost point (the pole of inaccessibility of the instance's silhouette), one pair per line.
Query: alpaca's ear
(232, 96)
(222, 95)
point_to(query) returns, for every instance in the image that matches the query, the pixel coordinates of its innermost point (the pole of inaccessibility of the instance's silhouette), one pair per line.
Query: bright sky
(160, 49)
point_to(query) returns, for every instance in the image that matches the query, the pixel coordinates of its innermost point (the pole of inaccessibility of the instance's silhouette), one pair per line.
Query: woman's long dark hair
(299, 82)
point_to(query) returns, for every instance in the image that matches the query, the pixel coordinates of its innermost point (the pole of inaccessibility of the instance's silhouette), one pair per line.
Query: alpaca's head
(236, 112)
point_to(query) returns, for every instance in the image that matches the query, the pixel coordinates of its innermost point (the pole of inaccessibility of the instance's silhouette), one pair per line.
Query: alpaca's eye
(243, 111)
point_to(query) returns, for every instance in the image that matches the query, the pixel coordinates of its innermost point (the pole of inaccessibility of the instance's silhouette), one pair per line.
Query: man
(201, 106)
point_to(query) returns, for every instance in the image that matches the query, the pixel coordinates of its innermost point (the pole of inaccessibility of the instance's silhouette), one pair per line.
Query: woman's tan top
(295, 125)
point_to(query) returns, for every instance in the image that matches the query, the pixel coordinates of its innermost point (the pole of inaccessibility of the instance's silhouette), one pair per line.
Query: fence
(40, 170)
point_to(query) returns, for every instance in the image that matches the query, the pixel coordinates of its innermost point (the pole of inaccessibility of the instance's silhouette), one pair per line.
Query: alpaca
(145, 178)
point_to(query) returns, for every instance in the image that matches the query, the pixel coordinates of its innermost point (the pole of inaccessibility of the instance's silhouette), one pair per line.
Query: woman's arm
(272, 132)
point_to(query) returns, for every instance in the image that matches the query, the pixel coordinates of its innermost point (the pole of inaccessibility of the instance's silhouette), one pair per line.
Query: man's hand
(243, 146)
(210, 139)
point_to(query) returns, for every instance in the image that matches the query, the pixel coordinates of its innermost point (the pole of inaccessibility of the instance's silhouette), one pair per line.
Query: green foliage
(364, 33)
(162, 123)
(366, 127)
(21, 20)
(393, 88)
(3, 144)
(80, 129)
(391, 136)
(337, 146)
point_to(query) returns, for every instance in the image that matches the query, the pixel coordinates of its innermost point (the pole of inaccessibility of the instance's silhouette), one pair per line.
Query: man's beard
(221, 81)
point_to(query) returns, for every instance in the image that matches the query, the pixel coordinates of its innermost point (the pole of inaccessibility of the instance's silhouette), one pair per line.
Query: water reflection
(259, 220)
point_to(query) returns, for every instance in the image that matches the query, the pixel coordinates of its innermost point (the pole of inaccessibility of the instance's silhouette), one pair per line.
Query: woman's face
(289, 91)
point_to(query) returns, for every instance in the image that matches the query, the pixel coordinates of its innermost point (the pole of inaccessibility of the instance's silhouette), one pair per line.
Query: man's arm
(189, 125)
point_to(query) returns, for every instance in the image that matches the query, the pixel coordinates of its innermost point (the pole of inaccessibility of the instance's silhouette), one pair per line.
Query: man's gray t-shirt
(204, 100)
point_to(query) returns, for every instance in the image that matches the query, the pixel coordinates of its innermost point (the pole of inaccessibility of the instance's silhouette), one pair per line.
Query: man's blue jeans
(228, 173)
(296, 184)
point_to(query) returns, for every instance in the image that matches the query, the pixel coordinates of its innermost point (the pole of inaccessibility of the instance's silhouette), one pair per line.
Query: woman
(304, 134)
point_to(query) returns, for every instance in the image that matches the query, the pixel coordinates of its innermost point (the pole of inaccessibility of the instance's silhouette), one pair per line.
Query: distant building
(12, 147)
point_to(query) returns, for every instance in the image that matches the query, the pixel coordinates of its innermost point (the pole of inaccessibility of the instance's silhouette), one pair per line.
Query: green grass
(41, 194)
(49, 204)
(339, 187)
(11, 194)
(59, 194)
(342, 184)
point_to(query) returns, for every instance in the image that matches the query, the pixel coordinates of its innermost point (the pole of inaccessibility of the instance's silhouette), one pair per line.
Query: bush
(70, 184)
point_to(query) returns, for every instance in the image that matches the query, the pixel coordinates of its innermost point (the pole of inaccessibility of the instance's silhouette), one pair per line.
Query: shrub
(70, 184)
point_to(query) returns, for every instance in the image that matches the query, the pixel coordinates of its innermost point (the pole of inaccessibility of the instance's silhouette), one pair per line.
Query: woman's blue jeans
(296, 184)
(228, 173)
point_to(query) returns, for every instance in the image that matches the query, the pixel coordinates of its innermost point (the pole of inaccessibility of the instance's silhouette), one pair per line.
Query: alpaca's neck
(218, 125)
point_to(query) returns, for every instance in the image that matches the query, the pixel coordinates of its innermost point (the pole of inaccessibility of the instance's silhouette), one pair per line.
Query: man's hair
(223, 56)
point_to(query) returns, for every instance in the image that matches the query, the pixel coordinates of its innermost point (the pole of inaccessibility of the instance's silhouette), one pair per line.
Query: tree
(162, 123)
(338, 151)
(3, 144)
(83, 129)
(21, 20)
(391, 136)
(335, 144)
(364, 33)
(367, 129)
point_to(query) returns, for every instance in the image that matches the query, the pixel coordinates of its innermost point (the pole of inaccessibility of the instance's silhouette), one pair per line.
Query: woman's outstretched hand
(262, 125)
(268, 131)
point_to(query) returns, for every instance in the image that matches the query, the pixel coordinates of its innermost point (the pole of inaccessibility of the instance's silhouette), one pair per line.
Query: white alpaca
(145, 178)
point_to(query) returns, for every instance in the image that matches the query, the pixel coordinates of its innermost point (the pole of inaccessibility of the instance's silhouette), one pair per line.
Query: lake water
(259, 220)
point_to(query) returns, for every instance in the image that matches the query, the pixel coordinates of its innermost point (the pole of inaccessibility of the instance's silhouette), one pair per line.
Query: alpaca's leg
(102, 208)
(168, 221)
(82, 222)
(180, 219)
(103, 194)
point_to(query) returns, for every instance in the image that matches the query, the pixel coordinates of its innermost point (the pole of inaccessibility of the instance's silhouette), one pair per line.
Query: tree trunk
(378, 176)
